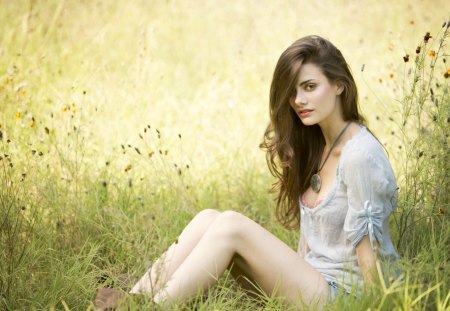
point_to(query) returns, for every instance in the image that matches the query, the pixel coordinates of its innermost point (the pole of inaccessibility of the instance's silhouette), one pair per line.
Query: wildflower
(406, 58)
(418, 50)
(427, 37)
(127, 168)
(432, 53)
(391, 75)
(18, 115)
(65, 108)
(32, 124)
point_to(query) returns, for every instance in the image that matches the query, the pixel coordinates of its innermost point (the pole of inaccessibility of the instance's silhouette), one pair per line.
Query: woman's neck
(331, 130)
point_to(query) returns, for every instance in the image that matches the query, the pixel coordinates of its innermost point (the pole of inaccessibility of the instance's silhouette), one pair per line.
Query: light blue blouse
(363, 196)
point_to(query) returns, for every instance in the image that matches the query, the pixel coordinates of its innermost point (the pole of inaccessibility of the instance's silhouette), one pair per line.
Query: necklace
(316, 182)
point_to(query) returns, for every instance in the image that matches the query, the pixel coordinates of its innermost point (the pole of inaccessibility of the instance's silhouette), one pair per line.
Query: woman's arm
(367, 260)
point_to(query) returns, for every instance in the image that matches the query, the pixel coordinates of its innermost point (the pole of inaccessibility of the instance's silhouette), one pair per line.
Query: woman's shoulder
(364, 149)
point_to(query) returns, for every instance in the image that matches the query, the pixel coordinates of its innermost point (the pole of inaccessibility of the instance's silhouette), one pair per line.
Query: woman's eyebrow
(306, 81)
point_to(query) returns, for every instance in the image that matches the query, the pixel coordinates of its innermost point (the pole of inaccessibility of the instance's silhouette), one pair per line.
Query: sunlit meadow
(119, 120)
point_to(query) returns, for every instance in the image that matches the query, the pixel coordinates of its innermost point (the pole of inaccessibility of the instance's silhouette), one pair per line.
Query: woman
(333, 178)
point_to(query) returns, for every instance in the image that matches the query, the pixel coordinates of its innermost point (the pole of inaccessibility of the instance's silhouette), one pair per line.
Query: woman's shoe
(107, 299)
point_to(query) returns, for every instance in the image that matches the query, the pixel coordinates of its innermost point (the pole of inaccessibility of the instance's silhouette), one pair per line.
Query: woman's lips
(305, 113)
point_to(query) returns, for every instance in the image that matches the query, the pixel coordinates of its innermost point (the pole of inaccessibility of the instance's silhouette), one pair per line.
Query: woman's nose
(300, 98)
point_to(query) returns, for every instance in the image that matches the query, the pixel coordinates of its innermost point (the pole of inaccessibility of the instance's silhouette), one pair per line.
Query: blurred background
(201, 69)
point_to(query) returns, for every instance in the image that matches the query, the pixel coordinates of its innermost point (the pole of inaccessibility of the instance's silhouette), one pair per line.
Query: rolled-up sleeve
(370, 189)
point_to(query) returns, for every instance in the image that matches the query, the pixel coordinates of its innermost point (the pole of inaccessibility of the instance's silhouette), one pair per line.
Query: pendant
(315, 183)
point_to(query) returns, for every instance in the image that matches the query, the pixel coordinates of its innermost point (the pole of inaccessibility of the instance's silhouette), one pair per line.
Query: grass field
(119, 120)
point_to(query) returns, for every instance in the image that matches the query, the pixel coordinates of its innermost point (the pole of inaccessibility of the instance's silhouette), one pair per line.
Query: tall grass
(118, 122)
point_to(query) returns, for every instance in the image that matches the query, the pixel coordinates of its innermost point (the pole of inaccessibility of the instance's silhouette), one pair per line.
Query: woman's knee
(229, 224)
(207, 215)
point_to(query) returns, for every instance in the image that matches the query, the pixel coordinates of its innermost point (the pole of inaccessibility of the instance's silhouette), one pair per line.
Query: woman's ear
(340, 89)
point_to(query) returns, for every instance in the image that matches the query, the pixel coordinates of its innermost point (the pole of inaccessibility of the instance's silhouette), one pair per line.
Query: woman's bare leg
(164, 267)
(274, 266)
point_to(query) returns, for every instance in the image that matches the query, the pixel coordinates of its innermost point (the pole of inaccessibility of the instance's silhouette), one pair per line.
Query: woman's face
(316, 100)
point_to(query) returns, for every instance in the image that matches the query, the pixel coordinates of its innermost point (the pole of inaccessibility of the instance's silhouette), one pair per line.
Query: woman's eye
(309, 87)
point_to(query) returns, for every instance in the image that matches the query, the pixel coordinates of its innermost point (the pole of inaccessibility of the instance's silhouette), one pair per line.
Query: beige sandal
(107, 299)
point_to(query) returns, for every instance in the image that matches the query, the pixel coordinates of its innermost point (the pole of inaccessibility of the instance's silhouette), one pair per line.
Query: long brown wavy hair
(293, 149)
